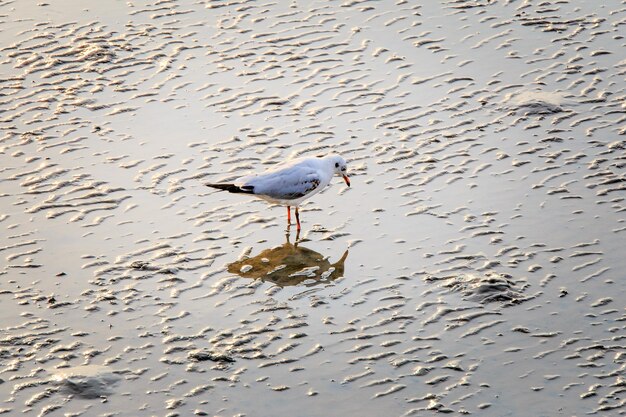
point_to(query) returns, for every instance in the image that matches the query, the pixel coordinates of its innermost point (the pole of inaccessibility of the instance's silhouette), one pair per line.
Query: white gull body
(291, 182)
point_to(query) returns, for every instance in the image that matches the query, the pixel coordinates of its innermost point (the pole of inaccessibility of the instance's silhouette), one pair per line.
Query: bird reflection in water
(290, 264)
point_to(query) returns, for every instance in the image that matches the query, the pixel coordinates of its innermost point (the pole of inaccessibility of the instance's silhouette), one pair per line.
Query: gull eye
(336, 164)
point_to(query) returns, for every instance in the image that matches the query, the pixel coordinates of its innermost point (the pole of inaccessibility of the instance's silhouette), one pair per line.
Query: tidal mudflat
(476, 266)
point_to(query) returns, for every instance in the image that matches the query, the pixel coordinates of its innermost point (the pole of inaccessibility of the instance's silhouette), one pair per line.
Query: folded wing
(286, 184)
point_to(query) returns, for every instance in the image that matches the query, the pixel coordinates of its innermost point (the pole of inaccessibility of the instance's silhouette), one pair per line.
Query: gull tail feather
(232, 188)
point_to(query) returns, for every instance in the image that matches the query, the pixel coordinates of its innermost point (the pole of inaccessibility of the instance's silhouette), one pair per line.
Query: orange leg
(298, 218)
(289, 215)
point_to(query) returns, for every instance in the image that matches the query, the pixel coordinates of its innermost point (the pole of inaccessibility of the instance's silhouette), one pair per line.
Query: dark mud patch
(208, 355)
(87, 382)
(488, 288)
(536, 103)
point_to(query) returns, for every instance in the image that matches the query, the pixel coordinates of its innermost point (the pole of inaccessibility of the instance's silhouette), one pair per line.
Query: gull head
(340, 167)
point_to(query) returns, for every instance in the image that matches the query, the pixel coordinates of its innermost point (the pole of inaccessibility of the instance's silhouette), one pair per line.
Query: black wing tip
(232, 188)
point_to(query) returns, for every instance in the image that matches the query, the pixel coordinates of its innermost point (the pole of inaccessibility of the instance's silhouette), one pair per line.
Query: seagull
(290, 183)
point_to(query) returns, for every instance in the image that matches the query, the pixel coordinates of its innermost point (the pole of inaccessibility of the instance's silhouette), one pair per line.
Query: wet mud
(475, 266)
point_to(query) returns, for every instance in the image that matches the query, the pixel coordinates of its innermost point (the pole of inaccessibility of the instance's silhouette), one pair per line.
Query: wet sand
(474, 267)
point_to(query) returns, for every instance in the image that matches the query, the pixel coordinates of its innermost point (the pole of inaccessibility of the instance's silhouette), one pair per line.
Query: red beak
(346, 179)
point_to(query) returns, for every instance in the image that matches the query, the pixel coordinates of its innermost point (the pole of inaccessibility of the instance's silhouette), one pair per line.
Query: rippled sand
(474, 267)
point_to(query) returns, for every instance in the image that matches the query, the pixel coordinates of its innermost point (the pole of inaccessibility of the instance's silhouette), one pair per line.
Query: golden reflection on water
(290, 264)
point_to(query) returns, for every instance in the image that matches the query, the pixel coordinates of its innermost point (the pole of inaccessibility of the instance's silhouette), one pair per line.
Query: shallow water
(483, 230)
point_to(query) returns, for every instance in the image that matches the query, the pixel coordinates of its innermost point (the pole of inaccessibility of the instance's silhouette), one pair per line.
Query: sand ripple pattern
(485, 227)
